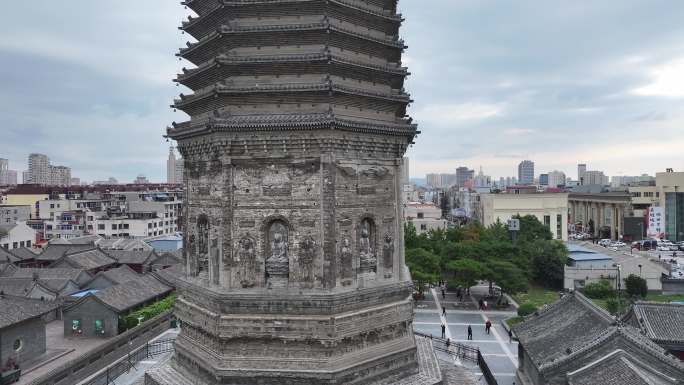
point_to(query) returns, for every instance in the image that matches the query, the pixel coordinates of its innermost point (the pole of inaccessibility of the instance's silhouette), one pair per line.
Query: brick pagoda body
(295, 270)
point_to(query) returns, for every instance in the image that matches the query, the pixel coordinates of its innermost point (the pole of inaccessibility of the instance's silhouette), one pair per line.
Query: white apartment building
(16, 236)
(556, 178)
(550, 209)
(424, 216)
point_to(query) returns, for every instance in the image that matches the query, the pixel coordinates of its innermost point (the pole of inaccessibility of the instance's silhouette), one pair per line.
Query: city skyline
(496, 97)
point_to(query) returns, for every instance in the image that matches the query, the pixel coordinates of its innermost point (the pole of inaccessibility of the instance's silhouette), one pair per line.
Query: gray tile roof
(14, 310)
(85, 240)
(24, 253)
(123, 244)
(19, 287)
(564, 325)
(661, 322)
(131, 256)
(89, 260)
(619, 368)
(55, 252)
(7, 257)
(59, 273)
(119, 275)
(130, 294)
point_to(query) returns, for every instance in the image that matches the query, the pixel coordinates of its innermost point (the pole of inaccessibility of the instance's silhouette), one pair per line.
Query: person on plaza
(448, 343)
(444, 311)
(510, 336)
(470, 333)
(480, 303)
(443, 293)
(443, 331)
(484, 304)
(488, 325)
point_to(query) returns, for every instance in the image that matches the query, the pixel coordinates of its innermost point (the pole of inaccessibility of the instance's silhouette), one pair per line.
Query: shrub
(526, 309)
(636, 286)
(599, 290)
(612, 305)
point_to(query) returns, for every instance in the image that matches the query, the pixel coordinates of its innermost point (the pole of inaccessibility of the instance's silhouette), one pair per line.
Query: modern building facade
(550, 209)
(293, 157)
(556, 178)
(526, 172)
(601, 214)
(39, 169)
(463, 174)
(424, 216)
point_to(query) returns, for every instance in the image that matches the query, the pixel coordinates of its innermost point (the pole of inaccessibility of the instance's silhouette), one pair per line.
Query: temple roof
(275, 122)
(88, 260)
(130, 256)
(619, 368)
(118, 275)
(661, 322)
(132, 293)
(203, 7)
(560, 328)
(14, 310)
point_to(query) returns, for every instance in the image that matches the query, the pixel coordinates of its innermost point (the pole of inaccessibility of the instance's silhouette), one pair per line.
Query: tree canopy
(464, 255)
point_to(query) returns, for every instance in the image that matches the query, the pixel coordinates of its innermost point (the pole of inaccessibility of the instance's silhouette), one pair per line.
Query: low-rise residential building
(660, 322)
(550, 209)
(22, 329)
(16, 235)
(79, 276)
(137, 260)
(424, 216)
(97, 313)
(109, 278)
(11, 214)
(93, 261)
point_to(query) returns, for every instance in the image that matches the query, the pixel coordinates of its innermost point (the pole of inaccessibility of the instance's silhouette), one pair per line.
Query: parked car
(618, 244)
(605, 242)
(663, 247)
(649, 244)
(681, 246)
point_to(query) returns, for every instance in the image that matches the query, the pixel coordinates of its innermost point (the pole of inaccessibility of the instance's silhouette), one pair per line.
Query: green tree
(464, 272)
(636, 286)
(526, 308)
(531, 229)
(548, 261)
(599, 290)
(507, 275)
(612, 305)
(424, 266)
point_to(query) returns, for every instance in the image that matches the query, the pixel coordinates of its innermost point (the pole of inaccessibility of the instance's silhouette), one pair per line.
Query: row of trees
(465, 255)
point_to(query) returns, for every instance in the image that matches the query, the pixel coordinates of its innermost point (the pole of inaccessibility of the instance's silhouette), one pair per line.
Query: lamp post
(618, 286)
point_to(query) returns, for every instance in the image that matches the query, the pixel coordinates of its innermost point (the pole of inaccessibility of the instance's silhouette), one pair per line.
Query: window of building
(423, 226)
(114, 227)
(15, 245)
(559, 226)
(99, 326)
(126, 225)
(52, 205)
(101, 226)
(28, 243)
(547, 221)
(421, 215)
(21, 243)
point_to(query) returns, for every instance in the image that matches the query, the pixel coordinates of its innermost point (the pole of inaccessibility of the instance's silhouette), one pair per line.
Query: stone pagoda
(295, 268)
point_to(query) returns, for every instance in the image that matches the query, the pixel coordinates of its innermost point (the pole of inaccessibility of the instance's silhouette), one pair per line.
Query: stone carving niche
(277, 260)
(388, 254)
(307, 256)
(345, 262)
(202, 245)
(367, 257)
(246, 259)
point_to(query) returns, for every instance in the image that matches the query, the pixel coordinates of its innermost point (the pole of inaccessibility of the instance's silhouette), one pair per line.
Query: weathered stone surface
(298, 126)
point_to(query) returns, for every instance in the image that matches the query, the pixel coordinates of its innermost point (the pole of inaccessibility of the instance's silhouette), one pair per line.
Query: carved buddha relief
(246, 259)
(388, 254)
(202, 244)
(307, 255)
(367, 258)
(277, 262)
(346, 269)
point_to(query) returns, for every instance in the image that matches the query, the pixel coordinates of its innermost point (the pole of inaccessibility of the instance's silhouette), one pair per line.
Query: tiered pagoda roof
(294, 65)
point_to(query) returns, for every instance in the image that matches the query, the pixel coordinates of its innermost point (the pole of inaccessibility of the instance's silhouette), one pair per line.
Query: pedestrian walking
(510, 336)
(444, 311)
(443, 293)
(443, 330)
(484, 303)
(480, 303)
(488, 325)
(448, 343)
(470, 333)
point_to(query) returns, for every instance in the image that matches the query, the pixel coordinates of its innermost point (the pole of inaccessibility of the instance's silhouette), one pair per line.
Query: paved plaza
(500, 354)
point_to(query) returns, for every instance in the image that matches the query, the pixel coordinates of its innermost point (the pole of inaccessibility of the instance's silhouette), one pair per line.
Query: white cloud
(518, 131)
(666, 80)
(453, 113)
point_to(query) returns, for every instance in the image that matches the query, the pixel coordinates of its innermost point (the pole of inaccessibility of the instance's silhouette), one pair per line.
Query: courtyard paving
(499, 353)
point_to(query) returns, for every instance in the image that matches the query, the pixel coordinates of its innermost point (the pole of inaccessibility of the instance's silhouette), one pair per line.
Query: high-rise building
(26, 177)
(543, 179)
(4, 172)
(180, 167)
(11, 177)
(141, 179)
(305, 162)
(556, 178)
(595, 178)
(526, 172)
(39, 169)
(433, 180)
(171, 167)
(59, 175)
(463, 174)
(581, 170)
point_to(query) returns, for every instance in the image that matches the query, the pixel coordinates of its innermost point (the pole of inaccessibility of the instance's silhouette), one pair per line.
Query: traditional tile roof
(123, 244)
(24, 253)
(619, 368)
(7, 257)
(55, 252)
(661, 322)
(131, 256)
(561, 327)
(14, 310)
(18, 287)
(85, 240)
(132, 293)
(119, 275)
(88, 260)
(58, 273)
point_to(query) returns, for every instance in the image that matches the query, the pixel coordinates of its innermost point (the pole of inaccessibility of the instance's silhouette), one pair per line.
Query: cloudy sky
(494, 82)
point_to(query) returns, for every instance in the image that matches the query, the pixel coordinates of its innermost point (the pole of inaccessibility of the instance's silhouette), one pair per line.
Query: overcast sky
(559, 82)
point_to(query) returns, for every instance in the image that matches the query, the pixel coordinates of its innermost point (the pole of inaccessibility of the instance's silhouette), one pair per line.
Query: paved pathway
(500, 354)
